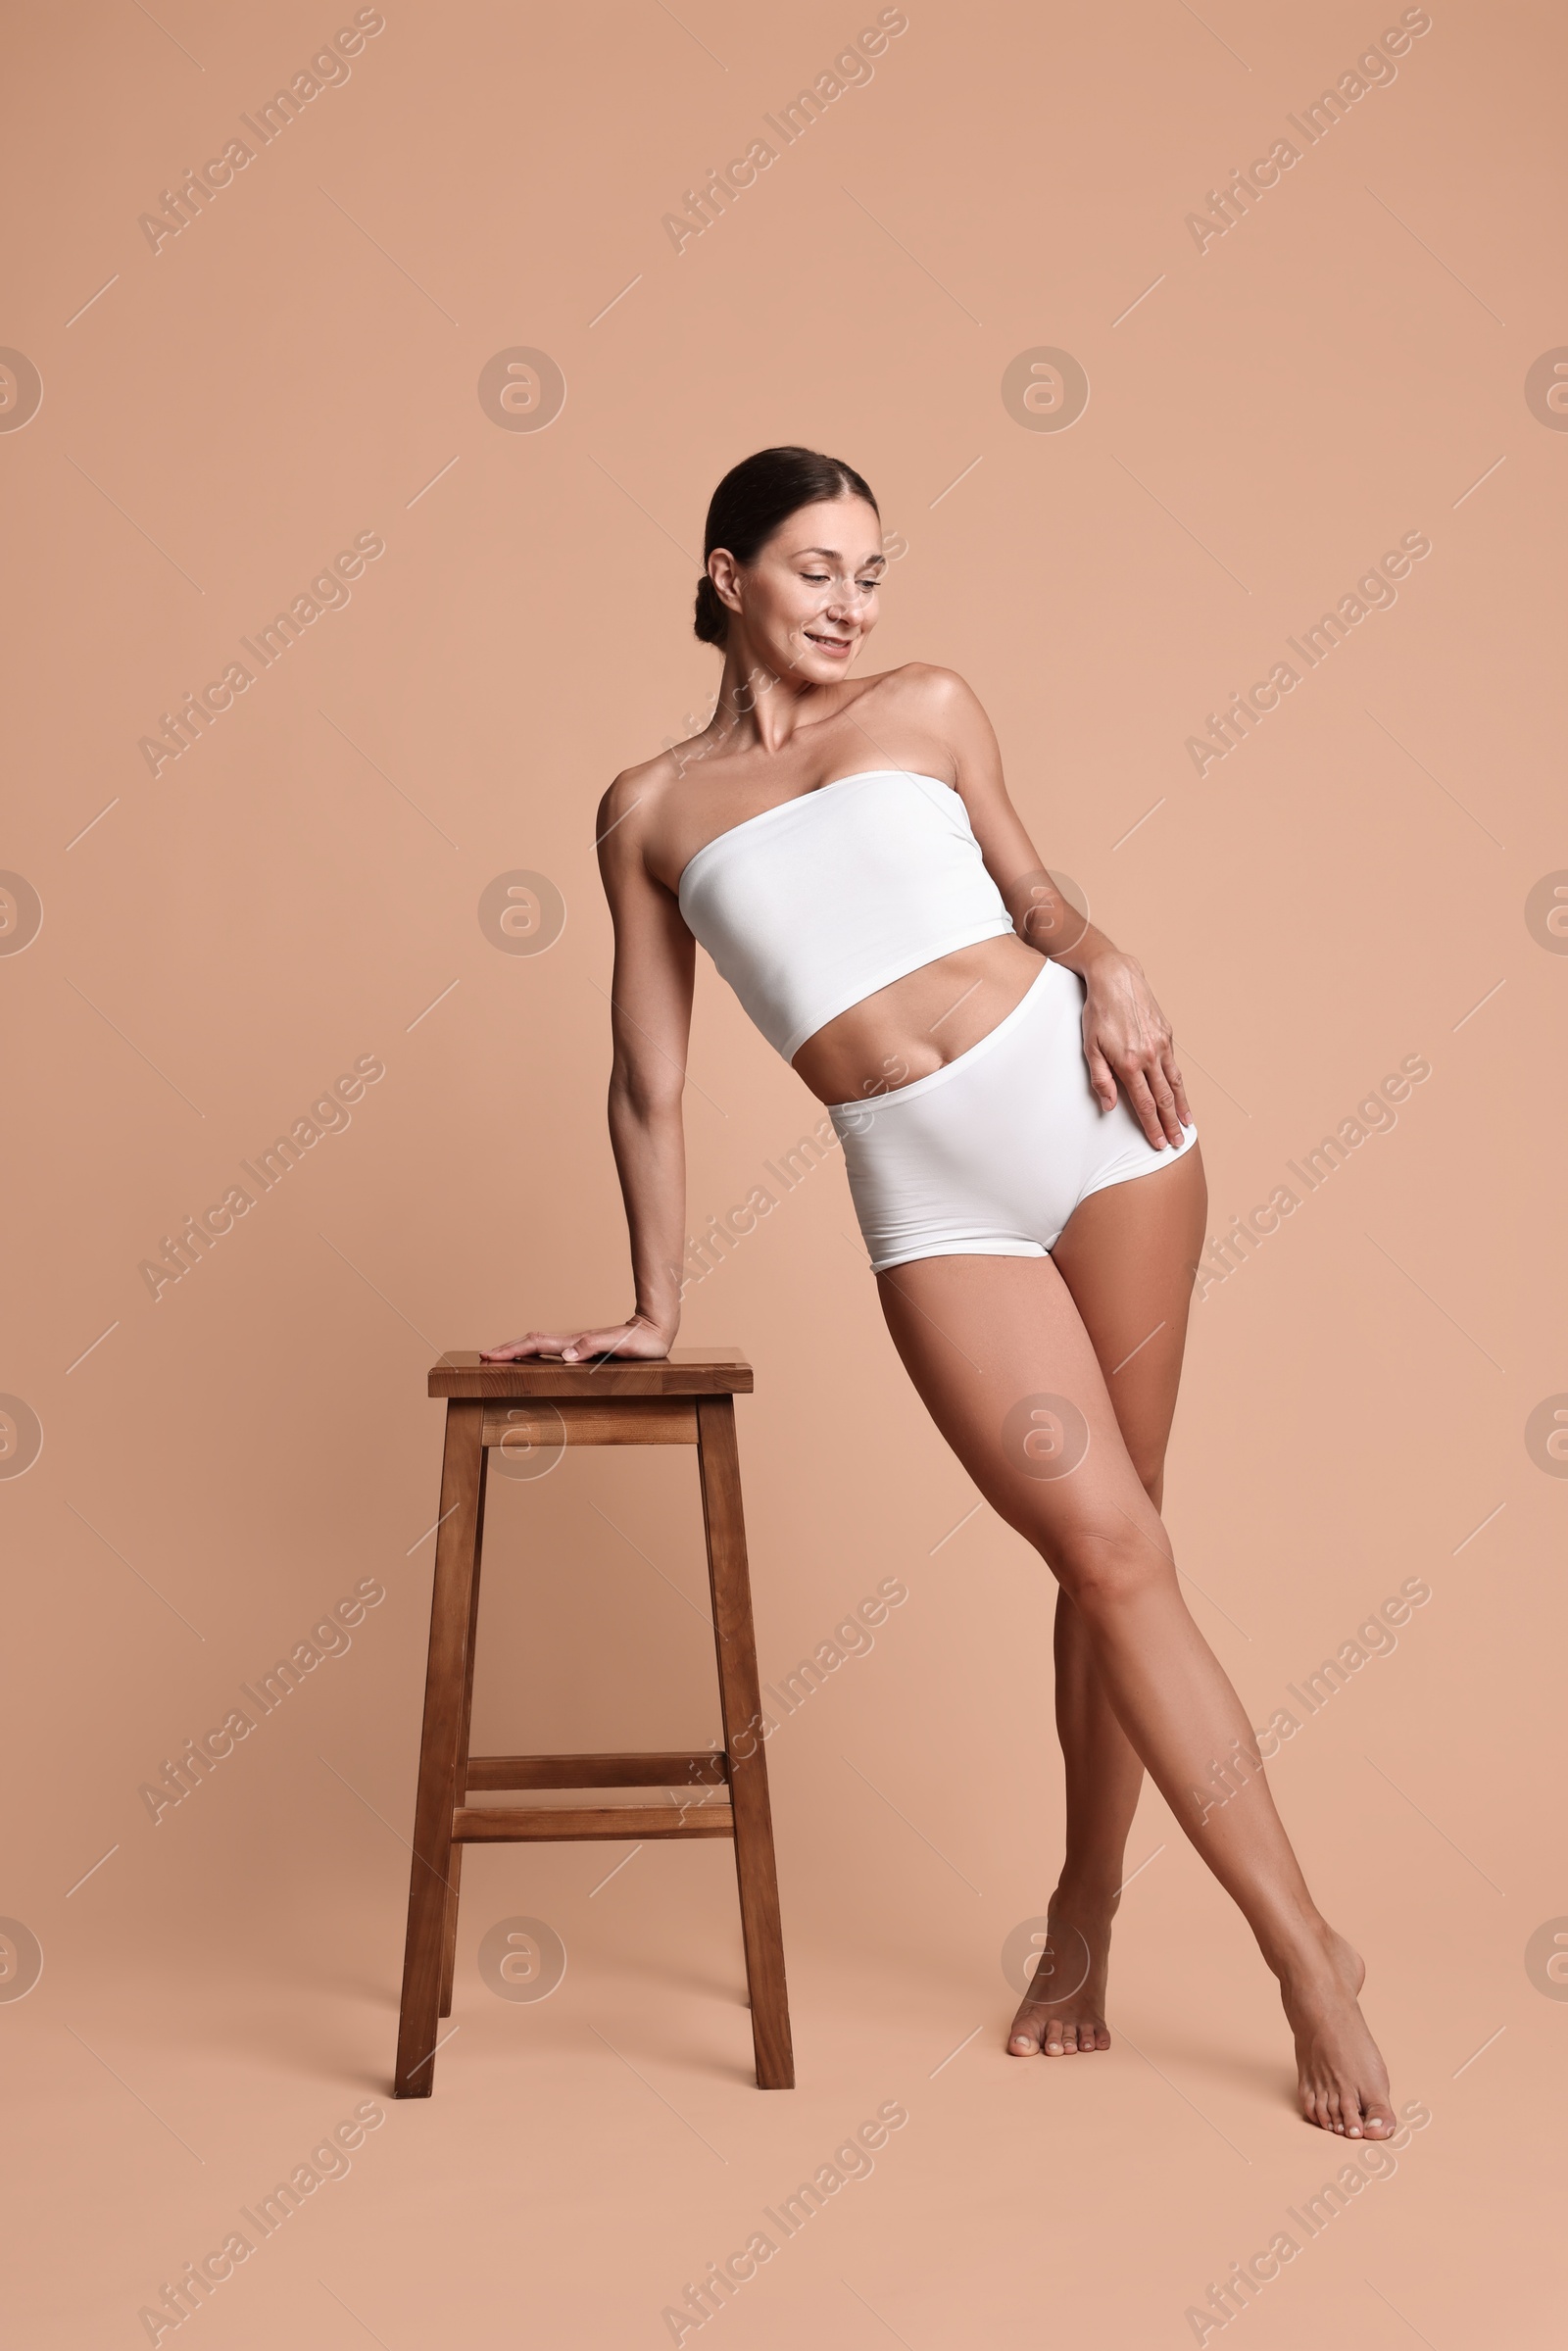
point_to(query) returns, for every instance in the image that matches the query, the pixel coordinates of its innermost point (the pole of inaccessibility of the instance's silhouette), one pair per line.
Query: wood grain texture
(741, 1699)
(565, 1824)
(543, 1423)
(710, 1371)
(444, 1691)
(449, 1951)
(492, 1772)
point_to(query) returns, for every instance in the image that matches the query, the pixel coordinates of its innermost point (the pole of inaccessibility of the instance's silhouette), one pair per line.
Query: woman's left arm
(1127, 1038)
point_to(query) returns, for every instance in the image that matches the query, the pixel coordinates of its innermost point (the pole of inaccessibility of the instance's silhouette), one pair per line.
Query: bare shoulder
(632, 801)
(926, 693)
(924, 702)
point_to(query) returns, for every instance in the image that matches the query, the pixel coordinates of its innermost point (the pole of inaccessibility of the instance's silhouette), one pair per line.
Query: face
(809, 600)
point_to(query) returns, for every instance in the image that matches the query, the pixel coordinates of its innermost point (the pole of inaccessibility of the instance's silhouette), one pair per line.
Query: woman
(1022, 1161)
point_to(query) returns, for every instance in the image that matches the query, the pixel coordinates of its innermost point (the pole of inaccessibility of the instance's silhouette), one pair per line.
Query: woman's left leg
(997, 1349)
(1126, 1257)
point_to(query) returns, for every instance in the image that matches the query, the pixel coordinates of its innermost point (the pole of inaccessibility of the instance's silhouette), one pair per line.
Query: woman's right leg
(982, 1337)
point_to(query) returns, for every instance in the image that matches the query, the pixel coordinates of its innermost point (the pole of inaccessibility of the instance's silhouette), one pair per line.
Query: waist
(919, 1022)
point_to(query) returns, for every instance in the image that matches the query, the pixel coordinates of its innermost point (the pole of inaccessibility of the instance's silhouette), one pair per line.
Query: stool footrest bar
(508, 1823)
(494, 1772)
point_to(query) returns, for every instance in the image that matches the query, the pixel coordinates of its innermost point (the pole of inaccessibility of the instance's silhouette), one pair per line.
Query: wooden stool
(686, 1400)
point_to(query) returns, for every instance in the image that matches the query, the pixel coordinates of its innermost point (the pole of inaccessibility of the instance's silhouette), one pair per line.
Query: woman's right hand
(637, 1341)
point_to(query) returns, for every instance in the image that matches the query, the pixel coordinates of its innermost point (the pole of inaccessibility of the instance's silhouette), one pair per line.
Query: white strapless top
(815, 904)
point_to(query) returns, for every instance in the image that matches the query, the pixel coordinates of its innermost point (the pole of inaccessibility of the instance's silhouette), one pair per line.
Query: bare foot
(1062, 2012)
(1344, 2082)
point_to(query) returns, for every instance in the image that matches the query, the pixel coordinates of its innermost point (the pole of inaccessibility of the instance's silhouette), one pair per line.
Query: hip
(991, 1153)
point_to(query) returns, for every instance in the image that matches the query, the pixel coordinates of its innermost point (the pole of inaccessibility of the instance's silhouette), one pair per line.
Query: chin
(822, 669)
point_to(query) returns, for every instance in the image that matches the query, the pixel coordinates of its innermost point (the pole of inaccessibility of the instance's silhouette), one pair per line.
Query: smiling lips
(830, 644)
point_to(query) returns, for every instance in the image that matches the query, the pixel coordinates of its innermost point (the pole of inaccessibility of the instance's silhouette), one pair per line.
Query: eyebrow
(832, 554)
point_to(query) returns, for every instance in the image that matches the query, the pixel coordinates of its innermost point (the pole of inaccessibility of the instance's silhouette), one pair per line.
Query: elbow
(646, 1097)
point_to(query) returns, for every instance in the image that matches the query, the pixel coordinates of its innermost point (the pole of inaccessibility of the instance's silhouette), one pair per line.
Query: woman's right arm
(651, 1010)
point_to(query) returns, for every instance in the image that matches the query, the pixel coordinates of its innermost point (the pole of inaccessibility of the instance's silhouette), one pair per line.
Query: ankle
(1302, 1956)
(1092, 1892)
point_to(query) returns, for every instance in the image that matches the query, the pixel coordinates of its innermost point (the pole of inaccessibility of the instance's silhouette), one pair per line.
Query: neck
(756, 705)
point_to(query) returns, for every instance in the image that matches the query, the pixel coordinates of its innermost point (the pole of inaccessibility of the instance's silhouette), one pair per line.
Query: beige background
(301, 888)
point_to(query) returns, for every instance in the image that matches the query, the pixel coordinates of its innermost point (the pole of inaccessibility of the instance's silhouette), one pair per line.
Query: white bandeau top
(815, 904)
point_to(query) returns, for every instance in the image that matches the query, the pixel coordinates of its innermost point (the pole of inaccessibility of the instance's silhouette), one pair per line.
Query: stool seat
(684, 1371)
(684, 1398)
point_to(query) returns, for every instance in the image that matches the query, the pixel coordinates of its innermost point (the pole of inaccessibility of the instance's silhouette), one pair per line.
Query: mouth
(837, 648)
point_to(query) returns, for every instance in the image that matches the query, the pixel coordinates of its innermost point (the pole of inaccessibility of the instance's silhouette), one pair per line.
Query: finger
(1165, 1104)
(1101, 1075)
(1142, 1106)
(1179, 1088)
(535, 1342)
(598, 1345)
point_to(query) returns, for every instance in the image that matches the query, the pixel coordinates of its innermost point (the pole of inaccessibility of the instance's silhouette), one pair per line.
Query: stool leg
(431, 1887)
(448, 1953)
(449, 1929)
(740, 1700)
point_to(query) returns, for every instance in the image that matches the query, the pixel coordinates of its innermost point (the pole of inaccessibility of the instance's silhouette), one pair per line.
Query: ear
(725, 573)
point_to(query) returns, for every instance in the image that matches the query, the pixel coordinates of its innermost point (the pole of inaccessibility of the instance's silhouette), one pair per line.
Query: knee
(1107, 1569)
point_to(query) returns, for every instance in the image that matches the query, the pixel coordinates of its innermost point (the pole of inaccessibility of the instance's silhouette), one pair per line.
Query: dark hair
(750, 504)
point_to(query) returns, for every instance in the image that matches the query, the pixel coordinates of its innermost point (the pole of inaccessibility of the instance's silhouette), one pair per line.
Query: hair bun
(711, 620)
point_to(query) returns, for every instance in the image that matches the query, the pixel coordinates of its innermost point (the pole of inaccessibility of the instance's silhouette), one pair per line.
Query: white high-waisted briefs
(990, 1155)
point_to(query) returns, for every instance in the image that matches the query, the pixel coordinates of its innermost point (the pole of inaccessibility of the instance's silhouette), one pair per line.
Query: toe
(1069, 2040)
(1026, 2036)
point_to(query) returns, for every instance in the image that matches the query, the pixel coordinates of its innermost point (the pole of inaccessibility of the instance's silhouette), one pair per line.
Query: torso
(691, 795)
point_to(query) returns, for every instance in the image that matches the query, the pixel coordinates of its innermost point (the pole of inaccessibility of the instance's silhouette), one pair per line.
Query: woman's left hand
(1127, 1038)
